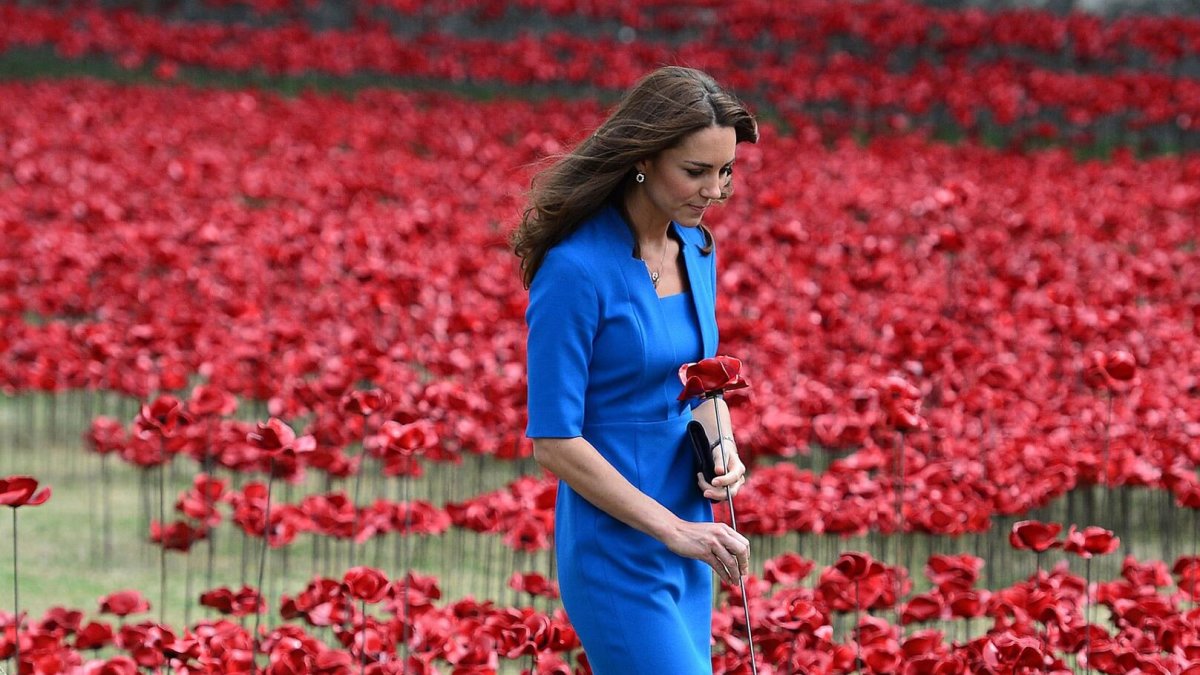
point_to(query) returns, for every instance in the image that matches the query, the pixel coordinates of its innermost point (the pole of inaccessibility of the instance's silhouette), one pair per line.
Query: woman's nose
(711, 188)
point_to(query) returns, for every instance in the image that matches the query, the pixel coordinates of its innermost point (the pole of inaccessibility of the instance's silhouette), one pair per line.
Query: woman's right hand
(722, 547)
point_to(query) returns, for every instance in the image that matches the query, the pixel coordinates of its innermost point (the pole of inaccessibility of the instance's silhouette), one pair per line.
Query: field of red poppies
(291, 324)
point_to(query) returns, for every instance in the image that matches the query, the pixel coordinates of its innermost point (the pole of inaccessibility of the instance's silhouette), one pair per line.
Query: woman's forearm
(580, 465)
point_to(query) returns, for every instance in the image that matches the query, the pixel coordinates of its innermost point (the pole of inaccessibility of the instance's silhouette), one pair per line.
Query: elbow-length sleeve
(562, 318)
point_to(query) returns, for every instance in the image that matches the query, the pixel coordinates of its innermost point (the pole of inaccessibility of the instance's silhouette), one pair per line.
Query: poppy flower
(366, 402)
(244, 601)
(922, 607)
(1034, 536)
(533, 583)
(901, 401)
(124, 603)
(1090, 541)
(710, 376)
(93, 635)
(365, 583)
(208, 400)
(16, 491)
(272, 436)
(117, 665)
(177, 536)
(1120, 365)
(853, 565)
(787, 569)
(162, 416)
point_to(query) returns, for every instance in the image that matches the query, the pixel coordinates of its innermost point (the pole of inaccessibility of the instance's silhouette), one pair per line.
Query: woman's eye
(727, 171)
(695, 173)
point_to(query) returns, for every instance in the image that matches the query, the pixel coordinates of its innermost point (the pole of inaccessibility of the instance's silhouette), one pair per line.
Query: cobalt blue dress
(603, 358)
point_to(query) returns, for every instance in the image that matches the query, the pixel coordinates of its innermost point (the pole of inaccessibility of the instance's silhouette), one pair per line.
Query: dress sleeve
(563, 317)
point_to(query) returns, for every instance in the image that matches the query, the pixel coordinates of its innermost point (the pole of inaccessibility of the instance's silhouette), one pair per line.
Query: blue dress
(604, 352)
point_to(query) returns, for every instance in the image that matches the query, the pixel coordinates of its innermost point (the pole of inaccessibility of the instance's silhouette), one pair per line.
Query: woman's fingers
(732, 555)
(717, 545)
(734, 480)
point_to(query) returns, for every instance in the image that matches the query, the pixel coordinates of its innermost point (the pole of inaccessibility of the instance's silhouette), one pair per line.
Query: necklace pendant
(654, 279)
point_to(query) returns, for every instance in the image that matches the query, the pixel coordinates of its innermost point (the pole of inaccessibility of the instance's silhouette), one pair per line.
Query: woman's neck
(649, 226)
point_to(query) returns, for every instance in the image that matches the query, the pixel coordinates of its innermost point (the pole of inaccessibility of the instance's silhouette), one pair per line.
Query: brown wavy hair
(655, 115)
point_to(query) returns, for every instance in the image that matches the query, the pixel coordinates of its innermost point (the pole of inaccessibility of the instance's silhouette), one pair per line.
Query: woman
(622, 280)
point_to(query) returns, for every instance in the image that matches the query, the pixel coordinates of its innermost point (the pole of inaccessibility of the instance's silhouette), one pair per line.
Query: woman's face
(682, 181)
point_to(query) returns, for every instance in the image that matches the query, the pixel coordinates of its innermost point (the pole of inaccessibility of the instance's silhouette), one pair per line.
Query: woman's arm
(735, 477)
(575, 461)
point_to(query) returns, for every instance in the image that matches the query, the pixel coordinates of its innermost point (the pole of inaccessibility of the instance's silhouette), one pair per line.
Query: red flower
(208, 400)
(1090, 541)
(178, 536)
(366, 402)
(94, 635)
(245, 601)
(273, 437)
(1103, 371)
(124, 603)
(19, 491)
(534, 584)
(787, 569)
(711, 376)
(957, 572)
(163, 416)
(105, 435)
(117, 665)
(1095, 372)
(853, 565)
(922, 607)
(1035, 536)
(200, 503)
(1120, 365)
(365, 583)
(901, 402)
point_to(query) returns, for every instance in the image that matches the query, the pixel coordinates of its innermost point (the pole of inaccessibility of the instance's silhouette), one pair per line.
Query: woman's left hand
(733, 478)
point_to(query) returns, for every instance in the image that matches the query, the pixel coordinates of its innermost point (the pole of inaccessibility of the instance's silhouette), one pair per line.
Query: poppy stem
(162, 532)
(406, 560)
(358, 474)
(1104, 462)
(855, 630)
(16, 600)
(733, 523)
(362, 647)
(1087, 617)
(899, 489)
(187, 588)
(106, 513)
(262, 560)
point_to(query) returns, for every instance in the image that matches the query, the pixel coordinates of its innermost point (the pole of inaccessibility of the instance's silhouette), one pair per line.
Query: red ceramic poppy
(533, 583)
(244, 601)
(1090, 541)
(711, 376)
(787, 569)
(365, 583)
(272, 436)
(1120, 365)
(124, 603)
(162, 416)
(94, 635)
(16, 491)
(1034, 536)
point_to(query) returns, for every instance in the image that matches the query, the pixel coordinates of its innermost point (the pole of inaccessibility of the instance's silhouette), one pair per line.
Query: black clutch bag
(702, 450)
